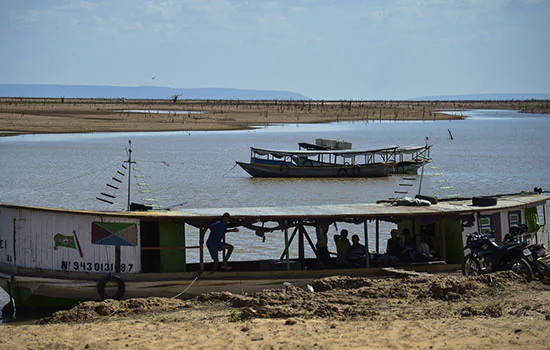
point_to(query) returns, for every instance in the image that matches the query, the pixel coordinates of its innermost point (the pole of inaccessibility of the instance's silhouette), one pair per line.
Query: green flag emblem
(64, 241)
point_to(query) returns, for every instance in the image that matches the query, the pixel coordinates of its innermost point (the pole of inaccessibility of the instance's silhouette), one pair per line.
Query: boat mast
(129, 171)
(423, 164)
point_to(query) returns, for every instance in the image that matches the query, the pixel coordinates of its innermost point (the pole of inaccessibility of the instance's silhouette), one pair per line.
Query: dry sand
(441, 312)
(25, 115)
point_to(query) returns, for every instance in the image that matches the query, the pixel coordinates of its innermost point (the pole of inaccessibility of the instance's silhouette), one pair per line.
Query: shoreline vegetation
(62, 115)
(422, 311)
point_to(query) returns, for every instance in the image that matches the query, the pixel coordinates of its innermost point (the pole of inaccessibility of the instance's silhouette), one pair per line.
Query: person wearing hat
(342, 246)
(215, 242)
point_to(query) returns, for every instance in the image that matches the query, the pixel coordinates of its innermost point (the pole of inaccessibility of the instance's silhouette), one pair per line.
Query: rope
(185, 290)
(230, 169)
(65, 181)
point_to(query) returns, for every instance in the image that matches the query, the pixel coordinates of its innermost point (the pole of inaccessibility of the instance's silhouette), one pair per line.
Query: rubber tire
(467, 259)
(484, 201)
(526, 267)
(107, 279)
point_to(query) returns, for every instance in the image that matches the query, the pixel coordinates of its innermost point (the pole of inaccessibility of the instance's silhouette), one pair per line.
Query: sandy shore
(27, 116)
(441, 312)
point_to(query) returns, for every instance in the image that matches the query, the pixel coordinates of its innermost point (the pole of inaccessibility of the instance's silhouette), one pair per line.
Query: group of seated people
(399, 249)
(347, 254)
(403, 249)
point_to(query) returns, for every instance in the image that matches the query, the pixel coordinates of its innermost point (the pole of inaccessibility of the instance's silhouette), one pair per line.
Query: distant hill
(485, 97)
(142, 92)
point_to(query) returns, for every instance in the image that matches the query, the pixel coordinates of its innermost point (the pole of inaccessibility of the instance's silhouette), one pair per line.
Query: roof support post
(312, 247)
(301, 255)
(443, 248)
(545, 227)
(287, 253)
(377, 236)
(367, 259)
(290, 241)
(201, 248)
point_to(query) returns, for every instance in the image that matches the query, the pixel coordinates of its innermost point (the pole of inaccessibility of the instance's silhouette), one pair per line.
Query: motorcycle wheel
(471, 266)
(543, 268)
(521, 267)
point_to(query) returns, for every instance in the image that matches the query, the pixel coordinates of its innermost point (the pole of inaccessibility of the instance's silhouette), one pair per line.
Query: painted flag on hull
(64, 241)
(114, 233)
(67, 242)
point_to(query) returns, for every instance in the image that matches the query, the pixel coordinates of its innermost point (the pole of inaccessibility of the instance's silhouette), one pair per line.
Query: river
(491, 152)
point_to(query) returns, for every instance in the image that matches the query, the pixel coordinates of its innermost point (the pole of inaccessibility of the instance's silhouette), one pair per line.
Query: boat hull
(42, 292)
(408, 167)
(268, 170)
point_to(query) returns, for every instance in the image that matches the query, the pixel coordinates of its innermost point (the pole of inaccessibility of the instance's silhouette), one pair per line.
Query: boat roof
(401, 149)
(347, 152)
(385, 210)
(412, 148)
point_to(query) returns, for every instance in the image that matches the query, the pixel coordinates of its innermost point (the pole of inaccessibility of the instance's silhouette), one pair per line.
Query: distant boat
(406, 160)
(320, 163)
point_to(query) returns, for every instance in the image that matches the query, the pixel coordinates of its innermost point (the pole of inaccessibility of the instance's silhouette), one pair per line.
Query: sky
(323, 49)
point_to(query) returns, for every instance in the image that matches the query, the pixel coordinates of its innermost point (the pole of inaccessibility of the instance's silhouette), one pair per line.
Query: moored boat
(319, 163)
(58, 257)
(405, 159)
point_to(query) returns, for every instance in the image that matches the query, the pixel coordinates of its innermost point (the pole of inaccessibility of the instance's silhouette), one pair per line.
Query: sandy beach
(27, 116)
(435, 312)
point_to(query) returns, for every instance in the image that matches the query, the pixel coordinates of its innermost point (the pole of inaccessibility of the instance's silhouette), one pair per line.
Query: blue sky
(325, 49)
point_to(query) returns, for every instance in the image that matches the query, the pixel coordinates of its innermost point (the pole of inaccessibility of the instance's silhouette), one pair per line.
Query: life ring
(342, 172)
(120, 289)
(284, 168)
(356, 171)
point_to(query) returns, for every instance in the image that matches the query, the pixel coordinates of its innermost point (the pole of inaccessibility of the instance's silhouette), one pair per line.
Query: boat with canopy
(320, 163)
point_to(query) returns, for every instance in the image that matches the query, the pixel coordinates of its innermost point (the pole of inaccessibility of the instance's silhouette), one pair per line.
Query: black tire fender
(484, 201)
(121, 287)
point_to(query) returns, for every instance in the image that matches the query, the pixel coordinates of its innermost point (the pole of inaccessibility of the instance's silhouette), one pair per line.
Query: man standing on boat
(215, 242)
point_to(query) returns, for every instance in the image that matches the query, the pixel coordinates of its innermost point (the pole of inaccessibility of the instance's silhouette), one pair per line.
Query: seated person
(342, 246)
(407, 246)
(423, 253)
(393, 247)
(394, 244)
(356, 254)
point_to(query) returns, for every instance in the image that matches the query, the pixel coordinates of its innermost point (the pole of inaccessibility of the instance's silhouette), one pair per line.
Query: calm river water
(492, 152)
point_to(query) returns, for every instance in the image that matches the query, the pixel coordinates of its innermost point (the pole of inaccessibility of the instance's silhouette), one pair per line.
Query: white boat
(58, 257)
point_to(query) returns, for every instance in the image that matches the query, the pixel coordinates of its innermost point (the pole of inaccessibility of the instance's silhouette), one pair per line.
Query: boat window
(514, 218)
(485, 224)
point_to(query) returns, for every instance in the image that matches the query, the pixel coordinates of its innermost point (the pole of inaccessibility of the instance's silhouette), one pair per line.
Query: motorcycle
(485, 256)
(539, 259)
